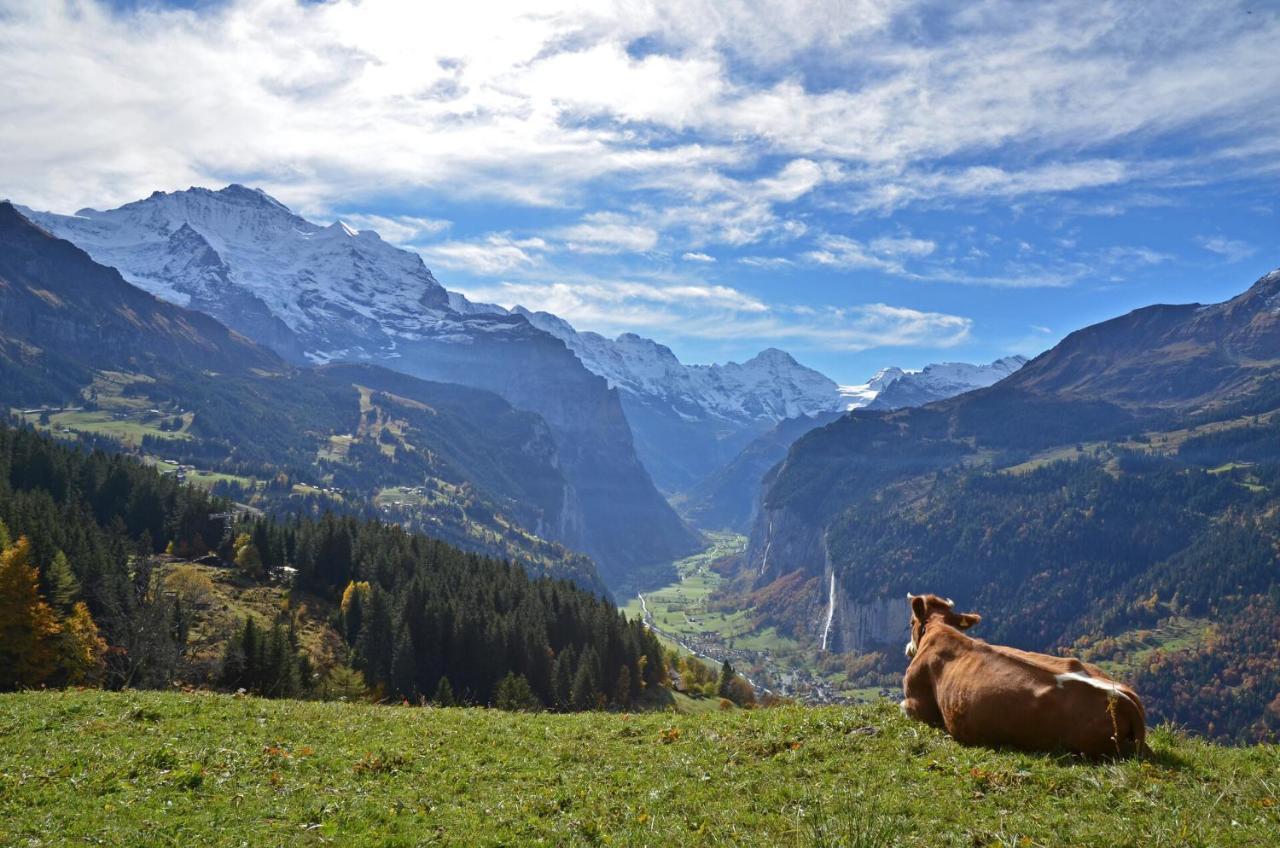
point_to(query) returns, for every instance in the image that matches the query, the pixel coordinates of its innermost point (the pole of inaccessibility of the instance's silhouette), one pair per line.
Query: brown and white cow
(990, 695)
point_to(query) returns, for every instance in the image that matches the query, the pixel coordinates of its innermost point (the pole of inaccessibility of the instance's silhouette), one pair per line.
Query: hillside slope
(1116, 485)
(138, 767)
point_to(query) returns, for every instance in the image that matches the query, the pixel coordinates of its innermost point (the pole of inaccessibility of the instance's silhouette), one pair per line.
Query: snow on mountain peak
(331, 285)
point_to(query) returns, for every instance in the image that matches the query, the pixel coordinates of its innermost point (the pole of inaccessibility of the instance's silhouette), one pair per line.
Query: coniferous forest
(86, 535)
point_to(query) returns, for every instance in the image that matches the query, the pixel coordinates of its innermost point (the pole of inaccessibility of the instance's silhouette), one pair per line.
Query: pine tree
(727, 674)
(514, 693)
(59, 584)
(404, 664)
(585, 688)
(565, 666)
(622, 689)
(344, 683)
(444, 694)
(376, 640)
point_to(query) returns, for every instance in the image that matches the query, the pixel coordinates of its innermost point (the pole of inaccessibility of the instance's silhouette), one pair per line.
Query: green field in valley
(88, 767)
(684, 614)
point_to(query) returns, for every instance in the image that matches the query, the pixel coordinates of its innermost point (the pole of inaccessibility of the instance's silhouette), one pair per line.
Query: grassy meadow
(88, 767)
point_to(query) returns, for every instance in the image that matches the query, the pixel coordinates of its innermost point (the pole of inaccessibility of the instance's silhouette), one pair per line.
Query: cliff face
(98, 316)
(612, 511)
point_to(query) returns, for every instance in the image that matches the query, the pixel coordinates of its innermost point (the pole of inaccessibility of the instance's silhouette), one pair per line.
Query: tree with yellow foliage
(83, 648)
(29, 628)
(248, 557)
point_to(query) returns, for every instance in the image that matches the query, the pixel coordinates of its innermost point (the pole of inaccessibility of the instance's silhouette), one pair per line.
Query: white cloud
(850, 254)
(497, 253)
(904, 246)
(765, 261)
(540, 102)
(719, 312)
(608, 232)
(398, 229)
(694, 256)
(1231, 250)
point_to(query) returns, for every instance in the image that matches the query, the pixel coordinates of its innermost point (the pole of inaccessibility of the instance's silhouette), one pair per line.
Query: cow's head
(925, 608)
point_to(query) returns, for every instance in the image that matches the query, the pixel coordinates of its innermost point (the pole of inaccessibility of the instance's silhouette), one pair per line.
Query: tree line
(420, 619)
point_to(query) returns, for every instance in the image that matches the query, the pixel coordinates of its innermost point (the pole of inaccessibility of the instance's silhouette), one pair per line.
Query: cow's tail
(1128, 722)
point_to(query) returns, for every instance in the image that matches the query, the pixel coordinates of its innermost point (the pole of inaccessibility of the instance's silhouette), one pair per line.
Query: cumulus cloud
(541, 102)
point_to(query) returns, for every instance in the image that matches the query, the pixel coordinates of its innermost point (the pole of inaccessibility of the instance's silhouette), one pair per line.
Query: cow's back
(990, 697)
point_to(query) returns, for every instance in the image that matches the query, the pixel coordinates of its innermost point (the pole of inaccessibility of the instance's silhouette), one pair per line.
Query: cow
(1059, 665)
(990, 695)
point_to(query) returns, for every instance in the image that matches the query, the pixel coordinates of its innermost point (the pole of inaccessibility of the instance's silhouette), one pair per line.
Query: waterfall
(831, 611)
(764, 562)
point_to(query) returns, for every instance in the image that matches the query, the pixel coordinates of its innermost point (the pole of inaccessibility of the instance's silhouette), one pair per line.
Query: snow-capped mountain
(862, 394)
(768, 387)
(342, 294)
(729, 498)
(319, 293)
(941, 381)
(689, 420)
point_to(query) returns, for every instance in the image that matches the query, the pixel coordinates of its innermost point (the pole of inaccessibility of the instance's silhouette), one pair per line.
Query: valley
(696, 615)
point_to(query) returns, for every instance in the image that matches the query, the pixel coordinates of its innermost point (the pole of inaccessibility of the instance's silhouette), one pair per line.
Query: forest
(87, 534)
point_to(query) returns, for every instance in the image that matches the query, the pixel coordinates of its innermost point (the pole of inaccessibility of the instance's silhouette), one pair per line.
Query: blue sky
(862, 183)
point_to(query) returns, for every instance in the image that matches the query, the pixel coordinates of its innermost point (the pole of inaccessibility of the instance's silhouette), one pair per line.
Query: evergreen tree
(565, 666)
(344, 683)
(444, 694)
(59, 585)
(404, 665)
(622, 688)
(725, 686)
(376, 640)
(585, 687)
(514, 693)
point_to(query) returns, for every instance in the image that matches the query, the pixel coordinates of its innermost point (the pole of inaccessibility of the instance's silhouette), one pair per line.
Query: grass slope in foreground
(204, 769)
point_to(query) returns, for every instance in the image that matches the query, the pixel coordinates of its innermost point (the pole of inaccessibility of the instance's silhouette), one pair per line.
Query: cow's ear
(969, 619)
(918, 607)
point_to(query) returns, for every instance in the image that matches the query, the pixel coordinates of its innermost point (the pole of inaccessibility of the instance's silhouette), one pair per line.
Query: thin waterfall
(831, 611)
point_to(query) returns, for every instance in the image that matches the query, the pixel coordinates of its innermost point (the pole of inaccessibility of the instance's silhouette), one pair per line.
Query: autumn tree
(29, 627)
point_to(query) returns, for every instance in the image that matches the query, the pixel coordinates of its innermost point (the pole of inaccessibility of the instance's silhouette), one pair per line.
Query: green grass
(200, 769)
(104, 423)
(683, 612)
(199, 477)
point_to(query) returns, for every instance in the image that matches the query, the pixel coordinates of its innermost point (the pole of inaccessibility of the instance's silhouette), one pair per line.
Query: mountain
(689, 420)
(55, 299)
(858, 396)
(942, 381)
(331, 294)
(1120, 490)
(114, 366)
(728, 498)
(692, 422)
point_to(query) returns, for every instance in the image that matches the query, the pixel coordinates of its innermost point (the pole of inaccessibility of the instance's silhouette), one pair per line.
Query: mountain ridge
(349, 296)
